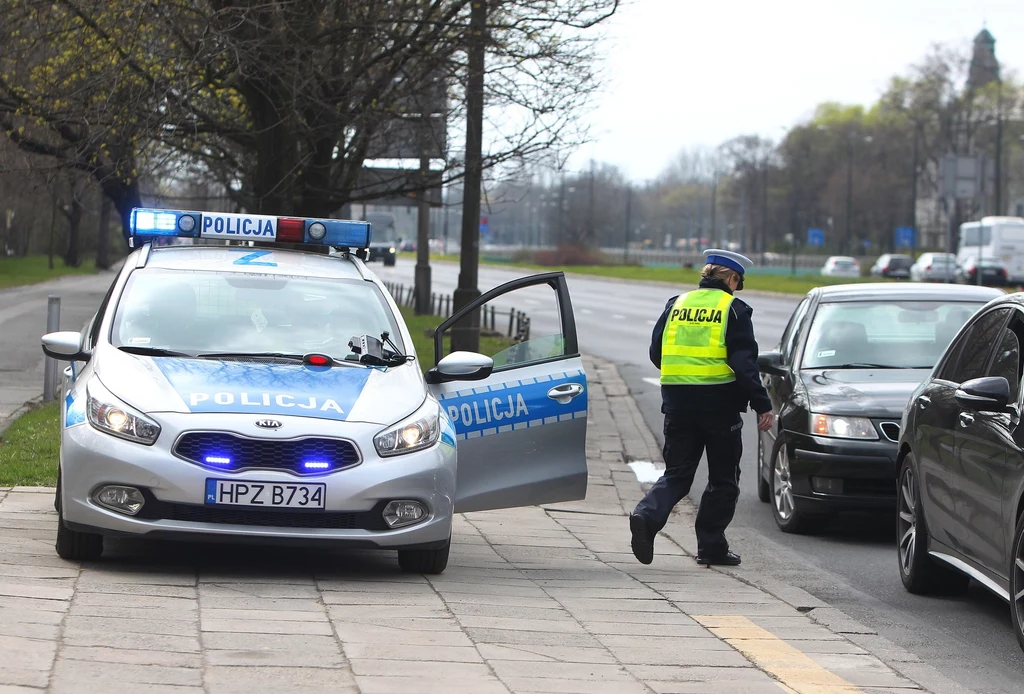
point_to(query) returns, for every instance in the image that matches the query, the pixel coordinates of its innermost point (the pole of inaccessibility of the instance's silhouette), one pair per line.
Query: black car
(993, 272)
(892, 266)
(839, 382)
(385, 251)
(961, 456)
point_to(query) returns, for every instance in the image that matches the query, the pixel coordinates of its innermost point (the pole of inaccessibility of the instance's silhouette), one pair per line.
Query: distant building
(984, 66)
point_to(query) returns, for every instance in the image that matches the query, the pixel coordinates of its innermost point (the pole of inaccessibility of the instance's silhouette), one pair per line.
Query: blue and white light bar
(148, 224)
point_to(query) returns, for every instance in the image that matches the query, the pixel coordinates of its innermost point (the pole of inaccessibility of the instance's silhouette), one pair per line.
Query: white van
(999, 239)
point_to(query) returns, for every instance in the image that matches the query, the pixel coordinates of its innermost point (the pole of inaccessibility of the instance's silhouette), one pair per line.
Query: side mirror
(66, 346)
(461, 366)
(988, 394)
(770, 363)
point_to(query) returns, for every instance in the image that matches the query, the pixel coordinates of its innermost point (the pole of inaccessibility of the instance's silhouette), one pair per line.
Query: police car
(249, 392)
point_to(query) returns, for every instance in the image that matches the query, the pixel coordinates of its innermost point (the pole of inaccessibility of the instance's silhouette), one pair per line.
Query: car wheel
(74, 545)
(764, 490)
(787, 517)
(1017, 582)
(919, 572)
(424, 561)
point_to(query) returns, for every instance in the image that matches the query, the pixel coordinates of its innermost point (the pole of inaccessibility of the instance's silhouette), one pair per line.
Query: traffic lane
(23, 322)
(851, 565)
(613, 318)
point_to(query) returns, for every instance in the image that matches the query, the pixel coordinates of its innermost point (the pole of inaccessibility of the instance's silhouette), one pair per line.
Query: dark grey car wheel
(764, 490)
(919, 572)
(1017, 582)
(783, 500)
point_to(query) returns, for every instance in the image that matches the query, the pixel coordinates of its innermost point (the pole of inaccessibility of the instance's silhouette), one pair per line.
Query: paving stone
(322, 628)
(550, 685)
(418, 668)
(387, 635)
(417, 685)
(536, 652)
(169, 627)
(410, 652)
(272, 642)
(221, 679)
(275, 658)
(117, 675)
(118, 639)
(131, 656)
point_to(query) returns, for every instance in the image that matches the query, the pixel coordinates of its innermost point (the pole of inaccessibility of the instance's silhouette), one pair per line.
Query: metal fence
(492, 319)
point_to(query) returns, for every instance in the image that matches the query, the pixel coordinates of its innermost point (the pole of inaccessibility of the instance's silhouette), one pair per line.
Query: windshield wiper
(152, 351)
(863, 365)
(251, 355)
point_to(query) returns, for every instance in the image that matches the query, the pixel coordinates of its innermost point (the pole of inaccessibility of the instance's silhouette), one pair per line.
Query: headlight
(842, 427)
(416, 432)
(110, 415)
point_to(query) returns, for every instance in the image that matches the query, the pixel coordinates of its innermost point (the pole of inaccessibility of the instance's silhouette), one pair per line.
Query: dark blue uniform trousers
(687, 437)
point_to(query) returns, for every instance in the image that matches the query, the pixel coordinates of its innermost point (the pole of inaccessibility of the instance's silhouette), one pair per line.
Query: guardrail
(518, 328)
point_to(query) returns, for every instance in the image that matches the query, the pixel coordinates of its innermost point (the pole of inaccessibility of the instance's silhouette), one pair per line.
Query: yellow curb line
(794, 669)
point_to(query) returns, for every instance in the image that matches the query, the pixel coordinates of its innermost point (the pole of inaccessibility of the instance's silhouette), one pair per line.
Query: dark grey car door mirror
(770, 363)
(988, 394)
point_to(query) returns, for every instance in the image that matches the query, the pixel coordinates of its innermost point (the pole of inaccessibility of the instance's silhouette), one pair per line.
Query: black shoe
(727, 559)
(642, 542)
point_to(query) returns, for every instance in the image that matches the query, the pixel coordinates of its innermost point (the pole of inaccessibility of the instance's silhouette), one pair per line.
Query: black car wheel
(424, 561)
(764, 490)
(74, 545)
(787, 517)
(919, 572)
(1017, 582)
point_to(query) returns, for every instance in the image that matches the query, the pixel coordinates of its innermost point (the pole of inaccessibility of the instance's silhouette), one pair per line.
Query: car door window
(792, 332)
(1006, 362)
(970, 355)
(93, 333)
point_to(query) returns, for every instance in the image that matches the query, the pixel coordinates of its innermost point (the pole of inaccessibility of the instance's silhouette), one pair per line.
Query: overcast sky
(681, 73)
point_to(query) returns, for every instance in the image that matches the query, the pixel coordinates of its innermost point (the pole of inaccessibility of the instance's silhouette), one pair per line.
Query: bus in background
(999, 239)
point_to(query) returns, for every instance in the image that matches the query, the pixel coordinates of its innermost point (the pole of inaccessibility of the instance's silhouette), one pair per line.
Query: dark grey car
(961, 455)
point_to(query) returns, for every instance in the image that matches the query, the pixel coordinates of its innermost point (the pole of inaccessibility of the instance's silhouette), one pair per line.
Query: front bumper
(865, 471)
(381, 253)
(174, 490)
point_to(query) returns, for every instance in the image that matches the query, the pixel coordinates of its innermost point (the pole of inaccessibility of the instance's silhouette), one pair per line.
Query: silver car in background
(934, 267)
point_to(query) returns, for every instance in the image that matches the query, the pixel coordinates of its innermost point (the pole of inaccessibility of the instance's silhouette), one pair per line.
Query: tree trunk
(53, 226)
(72, 258)
(103, 235)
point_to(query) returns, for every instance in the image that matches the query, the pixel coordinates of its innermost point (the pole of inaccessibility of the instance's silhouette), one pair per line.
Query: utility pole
(629, 203)
(466, 334)
(913, 192)
(999, 151)
(849, 193)
(764, 208)
(714, 191)
(422, 275)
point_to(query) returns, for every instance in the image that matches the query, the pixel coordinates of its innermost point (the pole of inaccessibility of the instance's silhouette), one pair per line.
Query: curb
(7, 421)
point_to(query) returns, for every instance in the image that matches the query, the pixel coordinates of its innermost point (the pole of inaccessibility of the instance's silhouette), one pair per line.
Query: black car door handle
(923, 401)
(966, 419)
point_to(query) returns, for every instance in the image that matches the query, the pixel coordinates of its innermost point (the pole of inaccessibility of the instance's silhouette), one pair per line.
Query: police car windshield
(887, 335)
(197, 312)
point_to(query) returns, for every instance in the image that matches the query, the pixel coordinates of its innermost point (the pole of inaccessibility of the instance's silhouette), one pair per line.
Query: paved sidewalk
(534, 600)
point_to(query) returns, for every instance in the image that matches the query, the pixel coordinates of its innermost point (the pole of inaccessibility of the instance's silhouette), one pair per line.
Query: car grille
(246, 453)
(269, 518)
(891, 430)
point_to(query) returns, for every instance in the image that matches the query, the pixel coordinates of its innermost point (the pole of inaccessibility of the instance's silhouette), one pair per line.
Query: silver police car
(241, 392)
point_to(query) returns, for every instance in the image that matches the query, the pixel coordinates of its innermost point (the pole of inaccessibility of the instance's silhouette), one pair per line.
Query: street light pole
(849, 193)
(629, 203)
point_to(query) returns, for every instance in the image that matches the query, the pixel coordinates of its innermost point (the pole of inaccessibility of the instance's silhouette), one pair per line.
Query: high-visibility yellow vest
(693, 344)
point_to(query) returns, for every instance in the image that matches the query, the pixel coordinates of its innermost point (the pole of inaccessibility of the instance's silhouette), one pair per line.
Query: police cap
(733, 261)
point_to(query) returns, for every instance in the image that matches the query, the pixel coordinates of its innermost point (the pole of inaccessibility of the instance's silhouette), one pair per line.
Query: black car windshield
(197, 312)
(883, 334)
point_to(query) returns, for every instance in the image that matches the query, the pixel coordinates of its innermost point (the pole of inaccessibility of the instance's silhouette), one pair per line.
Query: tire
(71, 544)
(1017, 582)
(787, 517)
(424, 561)
(764, 490)
(920, 573)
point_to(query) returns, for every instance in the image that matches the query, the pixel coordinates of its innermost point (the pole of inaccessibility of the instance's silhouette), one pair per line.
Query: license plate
(265, 494)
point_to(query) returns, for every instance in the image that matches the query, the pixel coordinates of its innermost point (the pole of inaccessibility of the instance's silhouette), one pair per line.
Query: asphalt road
(852, 564)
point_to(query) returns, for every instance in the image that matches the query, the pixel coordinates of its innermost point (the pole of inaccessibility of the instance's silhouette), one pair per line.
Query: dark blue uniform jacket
(742, 350)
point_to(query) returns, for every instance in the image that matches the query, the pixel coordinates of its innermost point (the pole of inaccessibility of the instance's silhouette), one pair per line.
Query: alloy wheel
(1017, 583)
(906, 521)
(783, 487)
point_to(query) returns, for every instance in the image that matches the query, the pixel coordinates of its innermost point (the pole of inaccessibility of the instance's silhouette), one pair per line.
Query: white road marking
(586, 311)
(619, 316)
(653, 381)
(651, 322)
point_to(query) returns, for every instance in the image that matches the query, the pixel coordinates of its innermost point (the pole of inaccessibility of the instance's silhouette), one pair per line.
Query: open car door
(521, 431)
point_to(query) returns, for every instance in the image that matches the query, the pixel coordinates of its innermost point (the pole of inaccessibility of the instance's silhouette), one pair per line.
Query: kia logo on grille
(268, 424)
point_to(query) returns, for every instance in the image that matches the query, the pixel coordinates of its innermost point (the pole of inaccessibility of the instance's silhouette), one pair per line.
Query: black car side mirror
(770, 363)
(988, 394)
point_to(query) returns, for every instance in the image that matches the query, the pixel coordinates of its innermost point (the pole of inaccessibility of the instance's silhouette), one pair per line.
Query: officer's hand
(765, 421)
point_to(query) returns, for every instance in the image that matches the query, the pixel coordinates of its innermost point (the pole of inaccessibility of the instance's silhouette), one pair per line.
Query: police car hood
(209, 386)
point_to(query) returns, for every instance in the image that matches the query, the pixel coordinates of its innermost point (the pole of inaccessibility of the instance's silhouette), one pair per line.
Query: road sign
(485, 225)
(905, 237)
(815, 237)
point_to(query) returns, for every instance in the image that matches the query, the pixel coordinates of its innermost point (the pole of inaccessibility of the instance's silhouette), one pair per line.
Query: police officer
(704, 345)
